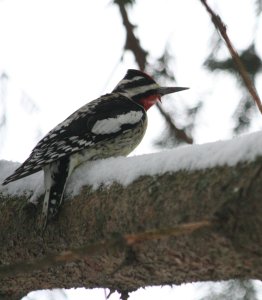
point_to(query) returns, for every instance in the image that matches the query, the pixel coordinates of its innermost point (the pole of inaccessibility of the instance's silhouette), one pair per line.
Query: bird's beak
(168, 90)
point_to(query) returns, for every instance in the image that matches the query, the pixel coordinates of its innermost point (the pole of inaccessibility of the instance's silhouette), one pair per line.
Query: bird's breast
(121, 145)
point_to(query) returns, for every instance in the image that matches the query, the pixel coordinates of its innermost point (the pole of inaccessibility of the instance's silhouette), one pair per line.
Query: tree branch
(115, 243)
(168, 229)
(221, 27)
(179, 133)
(133, 44)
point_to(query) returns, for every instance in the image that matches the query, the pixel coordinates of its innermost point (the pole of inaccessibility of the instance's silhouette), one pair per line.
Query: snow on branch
(126, 170)
(185, 215)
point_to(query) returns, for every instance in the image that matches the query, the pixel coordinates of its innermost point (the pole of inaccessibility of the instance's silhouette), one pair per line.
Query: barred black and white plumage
(111, 125)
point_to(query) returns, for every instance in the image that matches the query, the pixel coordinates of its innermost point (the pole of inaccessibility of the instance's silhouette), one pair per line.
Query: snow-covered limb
(225, 189)
(125, 170)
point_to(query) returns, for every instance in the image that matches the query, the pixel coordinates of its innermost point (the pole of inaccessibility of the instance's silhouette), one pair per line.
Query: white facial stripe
(141, 89)
(125, 81)
(112, 125)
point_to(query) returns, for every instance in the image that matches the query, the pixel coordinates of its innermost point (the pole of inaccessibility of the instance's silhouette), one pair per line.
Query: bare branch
(133, 44)
(180, 134)
(221, 27)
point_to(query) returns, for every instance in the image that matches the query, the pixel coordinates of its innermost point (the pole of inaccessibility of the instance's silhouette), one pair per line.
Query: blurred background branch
(173, 135)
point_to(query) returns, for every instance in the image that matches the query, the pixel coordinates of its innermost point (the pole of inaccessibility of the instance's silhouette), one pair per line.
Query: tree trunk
(169, 229)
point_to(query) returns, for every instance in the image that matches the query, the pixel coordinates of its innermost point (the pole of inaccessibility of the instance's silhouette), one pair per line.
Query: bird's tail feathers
(56, 176)
(52, 201)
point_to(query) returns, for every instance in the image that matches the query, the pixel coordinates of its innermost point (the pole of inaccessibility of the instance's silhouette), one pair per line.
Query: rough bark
(187, 226)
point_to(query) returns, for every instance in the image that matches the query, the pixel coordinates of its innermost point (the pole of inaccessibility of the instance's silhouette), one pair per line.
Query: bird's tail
(56, 175)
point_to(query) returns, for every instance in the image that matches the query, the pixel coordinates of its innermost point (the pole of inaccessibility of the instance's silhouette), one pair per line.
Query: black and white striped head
(143, 89)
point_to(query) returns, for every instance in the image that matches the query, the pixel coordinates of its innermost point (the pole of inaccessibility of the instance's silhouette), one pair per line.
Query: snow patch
(125, 170)
(32, 185)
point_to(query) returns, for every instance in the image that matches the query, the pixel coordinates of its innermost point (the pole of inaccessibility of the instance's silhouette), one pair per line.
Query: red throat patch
(149, 101)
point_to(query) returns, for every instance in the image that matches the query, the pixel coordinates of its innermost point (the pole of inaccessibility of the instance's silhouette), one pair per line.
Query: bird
(109, 126)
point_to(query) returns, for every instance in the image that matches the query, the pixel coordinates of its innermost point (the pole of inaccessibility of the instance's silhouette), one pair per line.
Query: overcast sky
(62, 54)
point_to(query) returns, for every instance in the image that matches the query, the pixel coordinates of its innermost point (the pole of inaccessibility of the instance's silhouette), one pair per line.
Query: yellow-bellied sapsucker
(111, 125)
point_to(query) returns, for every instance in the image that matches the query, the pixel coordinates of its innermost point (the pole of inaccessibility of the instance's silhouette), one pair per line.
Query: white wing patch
(112, 125)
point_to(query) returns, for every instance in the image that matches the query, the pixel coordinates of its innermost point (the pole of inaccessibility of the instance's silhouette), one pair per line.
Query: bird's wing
(101, 119)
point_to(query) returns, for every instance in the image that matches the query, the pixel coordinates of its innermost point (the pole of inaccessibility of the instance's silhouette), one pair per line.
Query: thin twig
(180, 134)
(221, 27)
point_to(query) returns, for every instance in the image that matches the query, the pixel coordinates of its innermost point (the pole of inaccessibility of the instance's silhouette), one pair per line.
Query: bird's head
(143, 89)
